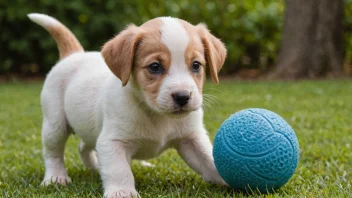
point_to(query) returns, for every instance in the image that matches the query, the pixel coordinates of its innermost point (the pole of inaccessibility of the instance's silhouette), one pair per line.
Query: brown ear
(215, 51)
(119, 52)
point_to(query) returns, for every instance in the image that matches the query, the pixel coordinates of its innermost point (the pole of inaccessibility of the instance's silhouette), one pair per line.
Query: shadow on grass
(150, 182)
(158, 181)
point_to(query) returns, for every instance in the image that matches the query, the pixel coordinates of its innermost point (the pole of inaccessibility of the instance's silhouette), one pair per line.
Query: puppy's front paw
(147, 164)
(214, 179)
(123, 193)
(63, 180)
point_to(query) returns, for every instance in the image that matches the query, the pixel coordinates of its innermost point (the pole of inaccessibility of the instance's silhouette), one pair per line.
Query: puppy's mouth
(180, 111)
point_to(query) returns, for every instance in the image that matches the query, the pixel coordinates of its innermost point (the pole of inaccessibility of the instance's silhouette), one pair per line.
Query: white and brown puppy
(141, 95)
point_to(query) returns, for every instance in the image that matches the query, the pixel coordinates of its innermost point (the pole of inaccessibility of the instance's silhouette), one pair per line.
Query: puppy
(139, 96)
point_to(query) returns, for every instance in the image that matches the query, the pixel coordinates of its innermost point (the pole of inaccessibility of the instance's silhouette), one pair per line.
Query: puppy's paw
(63, 180)
(147, 164)
(125, 193)
(214, 179)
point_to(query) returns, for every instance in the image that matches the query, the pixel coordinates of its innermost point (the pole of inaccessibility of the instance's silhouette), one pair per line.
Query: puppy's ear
(215, 51)
(119, 52)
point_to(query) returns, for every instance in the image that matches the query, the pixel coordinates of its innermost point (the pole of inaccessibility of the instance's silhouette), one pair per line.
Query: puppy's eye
(155, 68)
(196, 66)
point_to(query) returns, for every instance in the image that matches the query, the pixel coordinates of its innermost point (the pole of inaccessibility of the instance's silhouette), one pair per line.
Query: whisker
(210, 88)
(208, 101)
(208, 106)
(210, 98)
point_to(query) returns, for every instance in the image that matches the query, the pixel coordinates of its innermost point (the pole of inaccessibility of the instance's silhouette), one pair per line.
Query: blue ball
(256, 149)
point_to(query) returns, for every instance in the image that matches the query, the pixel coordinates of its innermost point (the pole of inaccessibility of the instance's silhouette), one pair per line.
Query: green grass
(320, 112)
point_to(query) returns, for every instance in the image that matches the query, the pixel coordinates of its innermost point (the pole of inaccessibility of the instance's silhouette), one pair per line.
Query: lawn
(319, 111)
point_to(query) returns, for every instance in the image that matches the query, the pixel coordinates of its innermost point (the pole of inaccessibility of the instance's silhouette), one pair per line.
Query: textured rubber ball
(256, 149)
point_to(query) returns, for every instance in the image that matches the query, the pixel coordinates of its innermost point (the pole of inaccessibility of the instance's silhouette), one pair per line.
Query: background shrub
(250, 29)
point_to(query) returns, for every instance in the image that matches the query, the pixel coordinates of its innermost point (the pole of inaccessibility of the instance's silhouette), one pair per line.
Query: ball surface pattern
(256, 149)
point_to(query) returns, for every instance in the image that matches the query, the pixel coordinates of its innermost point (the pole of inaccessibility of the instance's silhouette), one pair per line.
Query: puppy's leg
(114, 158)
(197, 153)
(54, 136)
(88, 156)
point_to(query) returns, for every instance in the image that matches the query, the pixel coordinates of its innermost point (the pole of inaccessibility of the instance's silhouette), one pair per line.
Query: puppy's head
(167, 58)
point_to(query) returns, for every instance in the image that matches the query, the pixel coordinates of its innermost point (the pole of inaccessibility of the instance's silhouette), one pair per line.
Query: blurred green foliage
(347, 24)
(250, 29)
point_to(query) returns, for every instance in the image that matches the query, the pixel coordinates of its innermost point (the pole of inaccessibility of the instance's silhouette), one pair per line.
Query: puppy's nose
(181, 98)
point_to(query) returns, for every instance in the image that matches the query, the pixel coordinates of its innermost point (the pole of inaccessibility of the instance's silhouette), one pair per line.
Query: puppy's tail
(67, 43)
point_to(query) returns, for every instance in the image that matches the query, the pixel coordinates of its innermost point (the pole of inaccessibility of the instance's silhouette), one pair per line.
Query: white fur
(176, 39)
(174, 36)
(114, 125)
(43, 20)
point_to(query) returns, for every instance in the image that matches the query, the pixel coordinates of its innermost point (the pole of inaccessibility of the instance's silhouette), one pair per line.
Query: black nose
(181, 98)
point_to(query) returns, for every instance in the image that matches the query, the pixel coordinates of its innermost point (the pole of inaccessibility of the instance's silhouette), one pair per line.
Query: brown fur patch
(151, 49)
(119, 52)
(67, 43)
(215, 51)
(195, 52)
